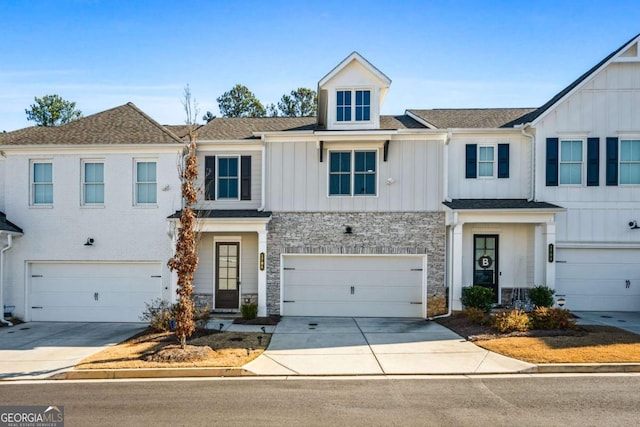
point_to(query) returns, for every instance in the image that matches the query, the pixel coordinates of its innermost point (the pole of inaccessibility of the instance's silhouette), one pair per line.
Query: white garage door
(92, 292)
(596, 279)
(346, 285)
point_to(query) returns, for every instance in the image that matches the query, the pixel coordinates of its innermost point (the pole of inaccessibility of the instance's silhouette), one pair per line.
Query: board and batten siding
(256, 181)
(298, 182)
(516, 186)
(3, 179)
(606, 106)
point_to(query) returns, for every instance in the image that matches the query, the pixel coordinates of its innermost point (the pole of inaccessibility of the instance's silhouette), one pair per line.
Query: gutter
(263, 173)
(2, 251)
(445, 178)
(523, 129)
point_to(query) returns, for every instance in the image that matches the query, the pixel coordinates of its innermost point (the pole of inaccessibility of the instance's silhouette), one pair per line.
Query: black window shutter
(593, 162)
(245, 178)
(612, 161)
(471, 160)
(503, 160)
(210, 177)
(552, 162)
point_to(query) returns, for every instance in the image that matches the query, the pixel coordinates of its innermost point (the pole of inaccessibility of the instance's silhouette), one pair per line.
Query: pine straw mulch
(206, 348)
(585, 344)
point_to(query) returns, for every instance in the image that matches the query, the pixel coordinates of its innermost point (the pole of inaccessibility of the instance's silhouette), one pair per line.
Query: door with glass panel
(227, 274)
(485, 262)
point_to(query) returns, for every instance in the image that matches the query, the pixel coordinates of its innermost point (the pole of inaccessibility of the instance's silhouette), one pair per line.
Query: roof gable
(125, 124)
(355, 56)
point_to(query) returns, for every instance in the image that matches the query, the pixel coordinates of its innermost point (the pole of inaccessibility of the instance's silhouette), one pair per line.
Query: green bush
(249, 311)
(158, 313)
(477, 297)
(477, 316)
(551, 318)
(541, 296)
(511, 321)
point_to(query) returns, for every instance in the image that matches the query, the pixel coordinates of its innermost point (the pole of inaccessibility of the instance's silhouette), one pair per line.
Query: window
(42, 183)
(485, 161)
(344, 105)
(228, 178)
(571, 162)
(93, 183)
(146, 183)
(630, 162)
(352, 173)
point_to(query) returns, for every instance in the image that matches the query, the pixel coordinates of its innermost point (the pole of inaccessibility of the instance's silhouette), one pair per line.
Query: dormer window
(345, 105)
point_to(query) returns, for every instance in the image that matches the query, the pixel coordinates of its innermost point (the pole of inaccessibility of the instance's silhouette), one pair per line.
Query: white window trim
(135, 182)
(620, 139)
(352, 172)
(353, 90)
(583, 163)
(227, 199)
(83, 183)
(226, 239)
(32, 201)
(494, 162)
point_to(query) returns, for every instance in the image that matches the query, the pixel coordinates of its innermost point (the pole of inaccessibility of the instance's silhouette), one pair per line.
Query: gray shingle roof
(497, 204)
(470, 118)
(125, 124)
(227, 213)
(6, 225)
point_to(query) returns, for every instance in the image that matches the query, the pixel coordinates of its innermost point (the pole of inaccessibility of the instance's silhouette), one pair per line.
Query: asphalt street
(523, 400)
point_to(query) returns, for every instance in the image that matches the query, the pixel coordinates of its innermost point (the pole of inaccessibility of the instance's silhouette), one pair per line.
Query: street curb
(112, 374)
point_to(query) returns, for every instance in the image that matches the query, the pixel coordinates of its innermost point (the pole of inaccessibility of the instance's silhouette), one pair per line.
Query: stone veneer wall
(372, 233)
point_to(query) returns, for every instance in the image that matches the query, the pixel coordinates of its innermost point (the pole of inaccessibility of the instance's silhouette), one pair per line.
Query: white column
(456, 267)
(262, 273)
(539, 256)
(550, 238)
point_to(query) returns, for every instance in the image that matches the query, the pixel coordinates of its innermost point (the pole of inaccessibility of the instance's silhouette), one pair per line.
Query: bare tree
(185, 260)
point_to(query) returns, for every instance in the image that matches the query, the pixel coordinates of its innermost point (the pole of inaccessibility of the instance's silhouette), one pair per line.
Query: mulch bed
(266, 321)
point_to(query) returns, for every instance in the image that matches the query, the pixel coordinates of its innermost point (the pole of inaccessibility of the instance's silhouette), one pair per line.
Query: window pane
(42, 172)
(486, 153)
(345, 162)
(94, 193)
(347, 97)
(223, 167)
(345, 184)
(43, 193)
(347, 114)
(146, 193)
(366, 113)
(334, 184)
(485, 169)
(233, 167)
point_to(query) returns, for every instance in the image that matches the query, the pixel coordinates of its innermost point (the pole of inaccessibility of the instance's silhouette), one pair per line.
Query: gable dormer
(350, 96)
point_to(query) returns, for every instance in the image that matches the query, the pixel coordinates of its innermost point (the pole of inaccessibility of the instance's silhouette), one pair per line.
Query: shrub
(477, 316)
(249, 311)
(551, 318)
(511, 321)
(541, 296)
(158, 313)
(477, 297)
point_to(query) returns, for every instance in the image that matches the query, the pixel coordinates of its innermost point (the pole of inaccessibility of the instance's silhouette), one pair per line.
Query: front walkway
(374, 346)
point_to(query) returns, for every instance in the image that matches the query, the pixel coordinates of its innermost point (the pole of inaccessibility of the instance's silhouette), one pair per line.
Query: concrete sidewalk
(374, 346)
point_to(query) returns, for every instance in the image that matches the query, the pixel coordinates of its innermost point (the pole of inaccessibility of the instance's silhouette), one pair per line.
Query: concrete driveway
(39, 349)
(374, 346)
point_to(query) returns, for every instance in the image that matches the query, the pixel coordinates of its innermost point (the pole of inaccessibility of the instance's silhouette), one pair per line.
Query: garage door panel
(595, 279)
(115, 292)
(382, 286)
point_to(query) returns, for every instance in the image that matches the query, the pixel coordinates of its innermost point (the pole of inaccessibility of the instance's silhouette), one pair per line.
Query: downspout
(452, 225)
(263, 173)
(2, 251)
(523, 128)
(445, 179)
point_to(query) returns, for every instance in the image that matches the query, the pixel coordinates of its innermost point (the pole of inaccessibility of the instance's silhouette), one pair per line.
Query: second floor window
(228, 179)
(571, 162)
(630, 162)
(42, 183)
(146, 183)
(352, 173)
(93, 183)
(485, 161)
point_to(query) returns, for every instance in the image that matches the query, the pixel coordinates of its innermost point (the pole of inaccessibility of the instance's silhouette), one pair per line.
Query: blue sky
(438, 54)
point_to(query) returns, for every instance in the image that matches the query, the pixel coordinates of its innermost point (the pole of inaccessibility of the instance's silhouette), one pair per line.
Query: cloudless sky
(438, 54)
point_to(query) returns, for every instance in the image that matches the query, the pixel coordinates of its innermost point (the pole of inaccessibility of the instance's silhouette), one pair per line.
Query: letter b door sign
(485, 261)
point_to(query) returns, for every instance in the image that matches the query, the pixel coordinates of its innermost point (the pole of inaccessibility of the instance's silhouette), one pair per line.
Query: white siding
(298, 181)
(517, 186)
(606, 106)
(3, 180)
(122, 231)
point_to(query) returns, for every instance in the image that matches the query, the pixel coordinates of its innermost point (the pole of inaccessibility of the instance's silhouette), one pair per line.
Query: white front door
(350, 285)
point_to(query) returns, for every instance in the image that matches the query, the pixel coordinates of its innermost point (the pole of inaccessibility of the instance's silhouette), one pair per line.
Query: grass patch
(227, 349)
(586, 344)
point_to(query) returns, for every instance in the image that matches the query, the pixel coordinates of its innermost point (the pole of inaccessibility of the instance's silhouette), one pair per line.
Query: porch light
(89, 241)
(348, 229)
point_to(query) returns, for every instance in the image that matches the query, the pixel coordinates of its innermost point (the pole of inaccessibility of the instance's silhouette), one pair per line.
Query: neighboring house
(352, 213)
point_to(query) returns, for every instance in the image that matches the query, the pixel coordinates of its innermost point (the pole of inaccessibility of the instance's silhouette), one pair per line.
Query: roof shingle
(6, 225)
(470, 118)
(497, 204)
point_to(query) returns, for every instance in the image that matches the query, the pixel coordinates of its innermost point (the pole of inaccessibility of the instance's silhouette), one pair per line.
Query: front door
(227, 274)
(485, 262)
